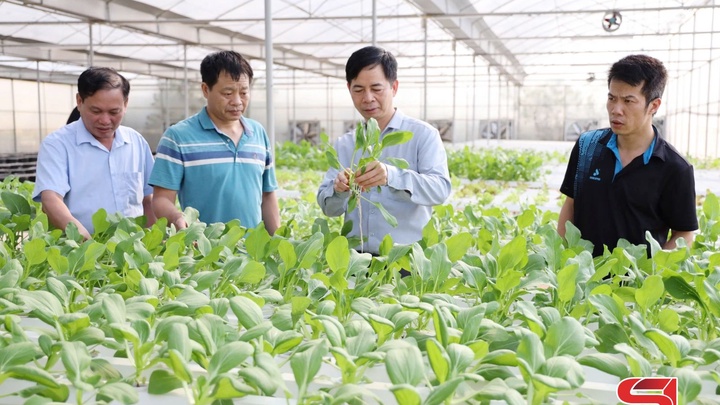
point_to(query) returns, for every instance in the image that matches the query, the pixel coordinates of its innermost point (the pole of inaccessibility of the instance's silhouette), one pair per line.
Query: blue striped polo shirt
(222, 181)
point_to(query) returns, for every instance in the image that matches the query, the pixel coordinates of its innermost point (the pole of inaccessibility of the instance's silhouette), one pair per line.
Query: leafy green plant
(368, 148)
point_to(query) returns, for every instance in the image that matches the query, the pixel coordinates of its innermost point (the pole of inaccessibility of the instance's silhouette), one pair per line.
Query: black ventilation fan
(611, 21)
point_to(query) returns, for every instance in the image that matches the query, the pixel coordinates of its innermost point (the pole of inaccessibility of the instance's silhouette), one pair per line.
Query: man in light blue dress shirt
(95, 162)
(408, 194)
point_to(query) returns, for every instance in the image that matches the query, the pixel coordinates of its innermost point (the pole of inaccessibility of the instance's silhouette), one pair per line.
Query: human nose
(367, 97)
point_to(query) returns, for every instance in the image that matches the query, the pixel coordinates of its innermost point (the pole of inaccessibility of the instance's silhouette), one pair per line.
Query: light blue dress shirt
(72, 163)
(410, 193)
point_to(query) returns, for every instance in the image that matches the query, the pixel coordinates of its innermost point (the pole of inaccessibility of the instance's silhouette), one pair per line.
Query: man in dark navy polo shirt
(625, 180)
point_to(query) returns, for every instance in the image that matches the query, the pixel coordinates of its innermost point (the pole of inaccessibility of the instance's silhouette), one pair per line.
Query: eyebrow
(626, 97)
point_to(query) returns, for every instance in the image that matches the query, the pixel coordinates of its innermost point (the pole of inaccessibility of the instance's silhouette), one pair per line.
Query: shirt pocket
(129, 188)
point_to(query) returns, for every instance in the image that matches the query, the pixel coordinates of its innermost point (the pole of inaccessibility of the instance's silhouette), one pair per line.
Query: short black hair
(368, 57)
(229, 62)
(101, 78)
(637, 69)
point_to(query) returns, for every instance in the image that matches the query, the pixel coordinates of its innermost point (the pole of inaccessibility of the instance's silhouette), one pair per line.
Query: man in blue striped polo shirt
(218, 161)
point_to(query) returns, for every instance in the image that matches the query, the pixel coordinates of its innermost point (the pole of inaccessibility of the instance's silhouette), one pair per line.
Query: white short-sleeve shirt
(72, 163)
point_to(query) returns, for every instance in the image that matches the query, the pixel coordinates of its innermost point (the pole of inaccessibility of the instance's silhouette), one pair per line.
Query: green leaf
(76, 359)
(114, 308)
(610, 311)
(227, 357)
(565, 337)
(309, 252)
(119, 391)
(458, 245)
(35, 251)
(639, 366)
(338, 255)
(665, 344)
(287, 253)
(530, 353)
(389, 218)
(360, 138)
(42, 304)
(406, 394)
(609, 335)
(439, 360)
(650, 292)
(17, 354)
(163, 381)
(246, 310)
(668, 320)
(251, 272)
(680, 289)
(257, 241)
(306, 364)
(398, 162)
(396, 138)
(92, 254)
(179, 366)
(74, 322)
(334, 330)
(567, 282)
(606, 363)
(260, 378)
(564, 371)
(230, 387)
(332, 159)
(513, 254)
(443, 392)
(689, 385)
(100, 222)
(29, 373)
(179, 340)
(404, 365)
(15, 203)
(497, 389)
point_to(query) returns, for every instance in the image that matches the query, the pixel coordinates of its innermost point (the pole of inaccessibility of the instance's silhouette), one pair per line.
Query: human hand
(375, 175)
(180, 223)
(341, 183)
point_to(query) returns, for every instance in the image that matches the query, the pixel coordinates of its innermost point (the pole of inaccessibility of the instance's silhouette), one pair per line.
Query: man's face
(102, 112)
(373, 94)
(228, 99)
(627, 110)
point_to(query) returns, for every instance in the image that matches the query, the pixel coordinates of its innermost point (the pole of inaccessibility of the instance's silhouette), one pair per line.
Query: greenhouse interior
(460, 275)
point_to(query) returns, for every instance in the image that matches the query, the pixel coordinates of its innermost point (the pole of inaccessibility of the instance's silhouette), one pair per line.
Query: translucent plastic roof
(522, 41)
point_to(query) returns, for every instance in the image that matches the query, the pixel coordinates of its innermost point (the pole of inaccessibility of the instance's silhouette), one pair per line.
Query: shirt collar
(207, 123)
(395, 122)
(82, 135)
(649, 152)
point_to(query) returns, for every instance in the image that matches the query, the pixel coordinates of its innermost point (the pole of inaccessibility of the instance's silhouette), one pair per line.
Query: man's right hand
(341, 183)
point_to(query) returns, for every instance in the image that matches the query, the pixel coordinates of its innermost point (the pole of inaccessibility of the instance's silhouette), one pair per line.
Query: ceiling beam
(149, 20)
(475, 34)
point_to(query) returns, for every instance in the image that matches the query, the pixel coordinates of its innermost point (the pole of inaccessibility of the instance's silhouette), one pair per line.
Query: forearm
(270, 212)
(689, 236)
(58, 213)
(163, 206)
(331, 203)
(421, 188)
(567, 212)
(148, 211)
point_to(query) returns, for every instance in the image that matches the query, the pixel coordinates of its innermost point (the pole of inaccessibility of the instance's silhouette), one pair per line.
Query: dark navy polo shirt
(654, 192)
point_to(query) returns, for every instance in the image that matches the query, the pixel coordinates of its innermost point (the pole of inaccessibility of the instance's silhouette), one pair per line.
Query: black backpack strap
(589, 149)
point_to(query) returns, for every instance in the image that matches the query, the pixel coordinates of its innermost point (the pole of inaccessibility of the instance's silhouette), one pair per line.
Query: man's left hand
(375, 175)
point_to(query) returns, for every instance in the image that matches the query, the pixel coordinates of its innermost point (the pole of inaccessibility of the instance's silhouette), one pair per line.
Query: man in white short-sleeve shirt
(95, 162)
